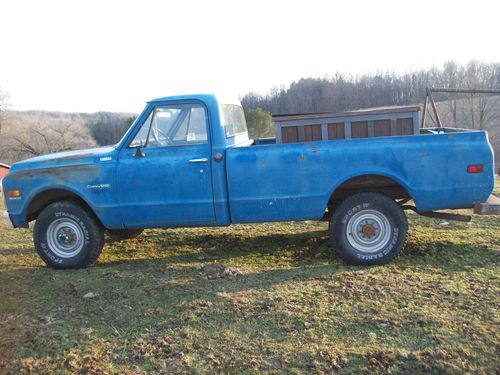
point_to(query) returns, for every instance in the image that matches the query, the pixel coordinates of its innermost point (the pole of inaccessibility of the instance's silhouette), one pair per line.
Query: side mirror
(138, 152)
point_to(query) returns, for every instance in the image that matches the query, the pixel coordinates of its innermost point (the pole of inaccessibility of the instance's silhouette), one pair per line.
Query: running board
(439, 215)
(490, 207)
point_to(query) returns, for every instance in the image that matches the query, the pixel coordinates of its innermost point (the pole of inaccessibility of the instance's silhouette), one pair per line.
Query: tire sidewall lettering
(49, 253)
(353, 210)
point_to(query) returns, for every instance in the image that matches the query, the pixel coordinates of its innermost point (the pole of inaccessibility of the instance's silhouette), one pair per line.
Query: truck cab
(171, 168)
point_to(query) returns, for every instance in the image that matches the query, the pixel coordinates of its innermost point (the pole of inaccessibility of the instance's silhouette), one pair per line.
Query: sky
(107, 55)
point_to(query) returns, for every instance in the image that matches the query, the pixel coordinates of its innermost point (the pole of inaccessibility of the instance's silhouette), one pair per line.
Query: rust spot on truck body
(78, 172)
(262, 164)
(68, 157)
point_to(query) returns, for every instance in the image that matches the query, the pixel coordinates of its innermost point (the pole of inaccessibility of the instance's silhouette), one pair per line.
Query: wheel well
(369, 183)
(42, 200)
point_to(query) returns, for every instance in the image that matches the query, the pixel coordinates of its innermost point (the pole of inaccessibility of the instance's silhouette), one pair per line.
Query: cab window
(233, 119)
(173, 125)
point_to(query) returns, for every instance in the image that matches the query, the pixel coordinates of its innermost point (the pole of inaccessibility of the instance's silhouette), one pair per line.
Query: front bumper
(6, 217)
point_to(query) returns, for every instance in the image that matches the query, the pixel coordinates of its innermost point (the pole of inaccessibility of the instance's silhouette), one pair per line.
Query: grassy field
(295, 309)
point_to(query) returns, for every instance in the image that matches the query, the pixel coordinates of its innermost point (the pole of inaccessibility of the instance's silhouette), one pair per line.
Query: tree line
(347, 92)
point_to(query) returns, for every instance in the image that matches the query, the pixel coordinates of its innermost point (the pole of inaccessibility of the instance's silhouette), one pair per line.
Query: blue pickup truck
(188, 161)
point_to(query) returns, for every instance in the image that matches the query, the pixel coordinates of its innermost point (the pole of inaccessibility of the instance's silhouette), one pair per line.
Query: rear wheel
(368, 229)
(67, 235)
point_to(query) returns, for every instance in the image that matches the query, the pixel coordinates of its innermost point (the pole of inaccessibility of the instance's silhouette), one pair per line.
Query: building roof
(4, 165)
(358, 112)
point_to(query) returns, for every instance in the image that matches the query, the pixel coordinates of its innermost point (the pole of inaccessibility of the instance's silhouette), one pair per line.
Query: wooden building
(365, 123)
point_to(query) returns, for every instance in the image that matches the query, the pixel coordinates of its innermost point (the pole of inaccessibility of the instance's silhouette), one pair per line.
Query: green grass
(296, 309)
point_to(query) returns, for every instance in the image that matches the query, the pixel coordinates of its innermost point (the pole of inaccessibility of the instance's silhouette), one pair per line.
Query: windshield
(170, 125)
(233, 119)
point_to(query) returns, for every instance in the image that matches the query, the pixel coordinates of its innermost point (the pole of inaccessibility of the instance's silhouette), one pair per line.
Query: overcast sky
(114, 55)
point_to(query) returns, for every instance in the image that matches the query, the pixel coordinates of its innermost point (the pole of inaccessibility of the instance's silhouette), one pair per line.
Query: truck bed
(273, 182)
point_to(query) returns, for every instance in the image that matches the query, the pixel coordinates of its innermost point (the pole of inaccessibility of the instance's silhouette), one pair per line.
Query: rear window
(233, 119)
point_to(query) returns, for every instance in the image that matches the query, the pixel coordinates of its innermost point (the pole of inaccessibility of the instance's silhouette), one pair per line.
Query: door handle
(200, 160)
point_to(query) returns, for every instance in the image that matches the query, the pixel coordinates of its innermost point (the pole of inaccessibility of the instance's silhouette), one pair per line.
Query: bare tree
(45, 139)
(452, 77)
(481, 107)
(485, 107)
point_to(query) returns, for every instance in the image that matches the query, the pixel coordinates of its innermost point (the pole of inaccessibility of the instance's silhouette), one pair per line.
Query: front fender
(93, 184)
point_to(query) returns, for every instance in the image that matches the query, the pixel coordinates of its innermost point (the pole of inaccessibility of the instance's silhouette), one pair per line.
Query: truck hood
(66, 158)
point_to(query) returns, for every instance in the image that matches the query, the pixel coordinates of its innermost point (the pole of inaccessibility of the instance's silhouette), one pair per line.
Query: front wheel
(67, 235)
(368, 229)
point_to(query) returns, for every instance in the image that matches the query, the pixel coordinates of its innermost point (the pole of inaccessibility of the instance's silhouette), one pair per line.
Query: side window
(197, 131)
(173, 125)
(233, 120)
(142, 135)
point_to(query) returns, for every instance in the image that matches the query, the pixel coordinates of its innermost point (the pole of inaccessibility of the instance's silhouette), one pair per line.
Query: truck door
(164, 174)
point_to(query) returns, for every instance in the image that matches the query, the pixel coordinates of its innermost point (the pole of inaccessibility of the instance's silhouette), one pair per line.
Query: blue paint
(253, 183)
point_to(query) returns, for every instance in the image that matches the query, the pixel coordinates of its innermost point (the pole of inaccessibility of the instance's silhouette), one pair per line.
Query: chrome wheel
(65, 237)
(368, 231)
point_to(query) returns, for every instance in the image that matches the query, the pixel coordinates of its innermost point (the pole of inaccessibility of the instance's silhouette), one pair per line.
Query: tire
(123, 234)
(368, 229)
(67, 235)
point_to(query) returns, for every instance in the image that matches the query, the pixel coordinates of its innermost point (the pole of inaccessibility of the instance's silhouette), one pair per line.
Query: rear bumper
(490, 207)
(7, 219)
